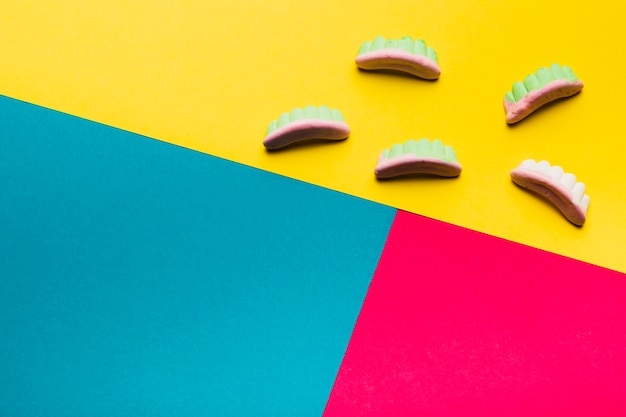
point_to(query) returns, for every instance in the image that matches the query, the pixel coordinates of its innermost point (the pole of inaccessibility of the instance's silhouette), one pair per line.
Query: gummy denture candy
(305, 124)
(404, 54)
(558, 187)
(418, 157)
(542, 87)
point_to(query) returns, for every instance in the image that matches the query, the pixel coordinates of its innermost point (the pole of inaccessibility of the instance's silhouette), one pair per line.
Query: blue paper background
(141, 278)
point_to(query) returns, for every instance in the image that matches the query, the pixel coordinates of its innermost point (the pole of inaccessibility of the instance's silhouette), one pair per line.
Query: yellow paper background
(210, 75)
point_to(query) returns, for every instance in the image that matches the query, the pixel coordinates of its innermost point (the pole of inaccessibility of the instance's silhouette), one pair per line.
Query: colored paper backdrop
(123, 257)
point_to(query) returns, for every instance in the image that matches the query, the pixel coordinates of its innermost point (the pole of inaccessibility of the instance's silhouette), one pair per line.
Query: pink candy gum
(306, 129)
(412, 164)
(399, 60)
(537, 98)
(554, 192)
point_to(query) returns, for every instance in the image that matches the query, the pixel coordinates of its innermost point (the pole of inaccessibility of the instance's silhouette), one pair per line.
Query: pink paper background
(458, 323)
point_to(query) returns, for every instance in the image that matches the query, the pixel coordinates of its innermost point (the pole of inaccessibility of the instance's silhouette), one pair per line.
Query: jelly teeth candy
(558, 187)
(418, 157)
(403, 54)
(303, 124)
(542, 87)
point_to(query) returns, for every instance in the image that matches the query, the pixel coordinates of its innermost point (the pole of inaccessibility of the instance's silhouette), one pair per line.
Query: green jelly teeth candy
(404, 54)
(305, 124)
(542, 87)
(418, 157)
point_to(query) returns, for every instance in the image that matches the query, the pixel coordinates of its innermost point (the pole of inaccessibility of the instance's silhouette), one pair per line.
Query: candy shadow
(395, 74)
(416, 177)
(306, 144)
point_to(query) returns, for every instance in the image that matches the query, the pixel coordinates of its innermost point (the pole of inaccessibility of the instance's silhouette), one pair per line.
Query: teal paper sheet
(138, 278)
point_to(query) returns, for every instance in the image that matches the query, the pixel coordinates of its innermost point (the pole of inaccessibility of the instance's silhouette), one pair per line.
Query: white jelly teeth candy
(559, 187)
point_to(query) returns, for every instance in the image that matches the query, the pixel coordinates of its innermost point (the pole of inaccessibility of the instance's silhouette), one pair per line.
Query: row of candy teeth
(422, 148)
(406, 43)
(309, 112)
